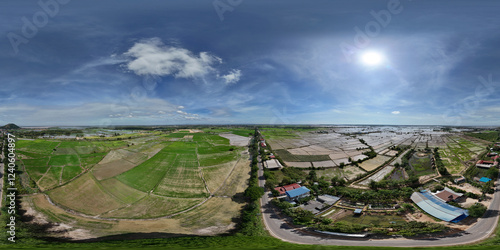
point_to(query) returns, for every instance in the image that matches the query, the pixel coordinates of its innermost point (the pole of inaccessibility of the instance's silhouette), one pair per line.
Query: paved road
(281, 230)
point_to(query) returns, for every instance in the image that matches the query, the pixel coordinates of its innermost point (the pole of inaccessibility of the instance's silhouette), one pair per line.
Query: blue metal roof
(484, 179)
(437, 208)
(297, 192)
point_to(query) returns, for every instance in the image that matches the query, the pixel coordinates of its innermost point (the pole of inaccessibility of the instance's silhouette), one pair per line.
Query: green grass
(177, 135)
(243, 132)
(216, 159)
(287, 156)
(491, 136)
(215, 149)
(40, 162)
(421, 166)
(69, 172)
(36, 172)
(51, 178)
(147, 175)
(329, 173)
(212, 139)
(89, 160)
(221, 242)
(124, 193)
(63, 160)
(38, 146)
(182, 180)
(30, 154)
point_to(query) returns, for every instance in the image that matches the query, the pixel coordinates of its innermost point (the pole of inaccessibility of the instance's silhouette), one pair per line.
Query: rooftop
(297, 192)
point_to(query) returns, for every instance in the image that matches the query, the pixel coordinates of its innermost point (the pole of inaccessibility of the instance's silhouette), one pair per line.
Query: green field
(70, 172)
(492, 136)
(166, 175)
(66, 159)
(145, 176)
(421, 166)
(451, 162)
(38, 146)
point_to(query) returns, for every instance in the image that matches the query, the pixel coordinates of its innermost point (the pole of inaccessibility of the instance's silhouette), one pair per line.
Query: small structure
(486, 164)
(484, 179)
(272, 164)
(358, 211)
(298, 193)
(459, 180)
(328, 199)
(495, 157)
(448, 195)
(283, 189)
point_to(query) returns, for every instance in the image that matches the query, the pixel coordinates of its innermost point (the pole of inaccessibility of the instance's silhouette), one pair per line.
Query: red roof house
(283, 189)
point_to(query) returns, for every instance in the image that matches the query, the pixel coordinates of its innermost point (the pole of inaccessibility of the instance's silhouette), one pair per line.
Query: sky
(157, 62)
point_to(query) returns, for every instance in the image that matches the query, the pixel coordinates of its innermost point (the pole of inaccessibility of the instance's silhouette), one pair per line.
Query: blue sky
(236, 62)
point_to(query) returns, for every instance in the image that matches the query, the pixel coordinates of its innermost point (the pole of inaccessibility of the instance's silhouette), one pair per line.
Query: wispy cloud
(395, 112)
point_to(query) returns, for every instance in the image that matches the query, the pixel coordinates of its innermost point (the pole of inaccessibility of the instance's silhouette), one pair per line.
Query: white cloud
(395, 112)
(233, 76)
(152, 57)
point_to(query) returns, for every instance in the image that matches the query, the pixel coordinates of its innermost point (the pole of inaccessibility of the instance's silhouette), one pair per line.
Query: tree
(477, 210)
(275, 192)
(313, 177)
(303, 217)
(492, 173)
(338, 181)
(254, 192)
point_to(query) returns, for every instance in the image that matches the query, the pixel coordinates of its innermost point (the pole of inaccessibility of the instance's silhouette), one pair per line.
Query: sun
(372, 58)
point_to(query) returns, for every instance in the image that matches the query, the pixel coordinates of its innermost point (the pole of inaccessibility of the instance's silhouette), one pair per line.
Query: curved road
(281, 230)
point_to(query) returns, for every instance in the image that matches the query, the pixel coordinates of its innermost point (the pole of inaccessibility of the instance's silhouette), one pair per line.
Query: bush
(477, 210)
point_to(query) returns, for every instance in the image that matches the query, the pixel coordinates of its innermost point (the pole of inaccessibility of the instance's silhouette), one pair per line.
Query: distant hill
(10, 126)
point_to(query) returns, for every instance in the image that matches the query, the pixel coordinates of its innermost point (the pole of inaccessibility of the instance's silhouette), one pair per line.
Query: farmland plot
(70, 172)
(374, 163)
(153, 206)
(36, 173)
(215, 176)
(51, 178)
(183, 181)
(122, 192)
(42, 147)
(215, 159)
(85, 195)
(351, 172)
(147, 175)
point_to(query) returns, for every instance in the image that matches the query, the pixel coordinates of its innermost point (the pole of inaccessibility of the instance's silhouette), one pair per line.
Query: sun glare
(372, 58)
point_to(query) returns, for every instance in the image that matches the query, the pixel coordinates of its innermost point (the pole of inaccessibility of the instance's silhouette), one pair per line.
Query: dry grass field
(374, 163)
